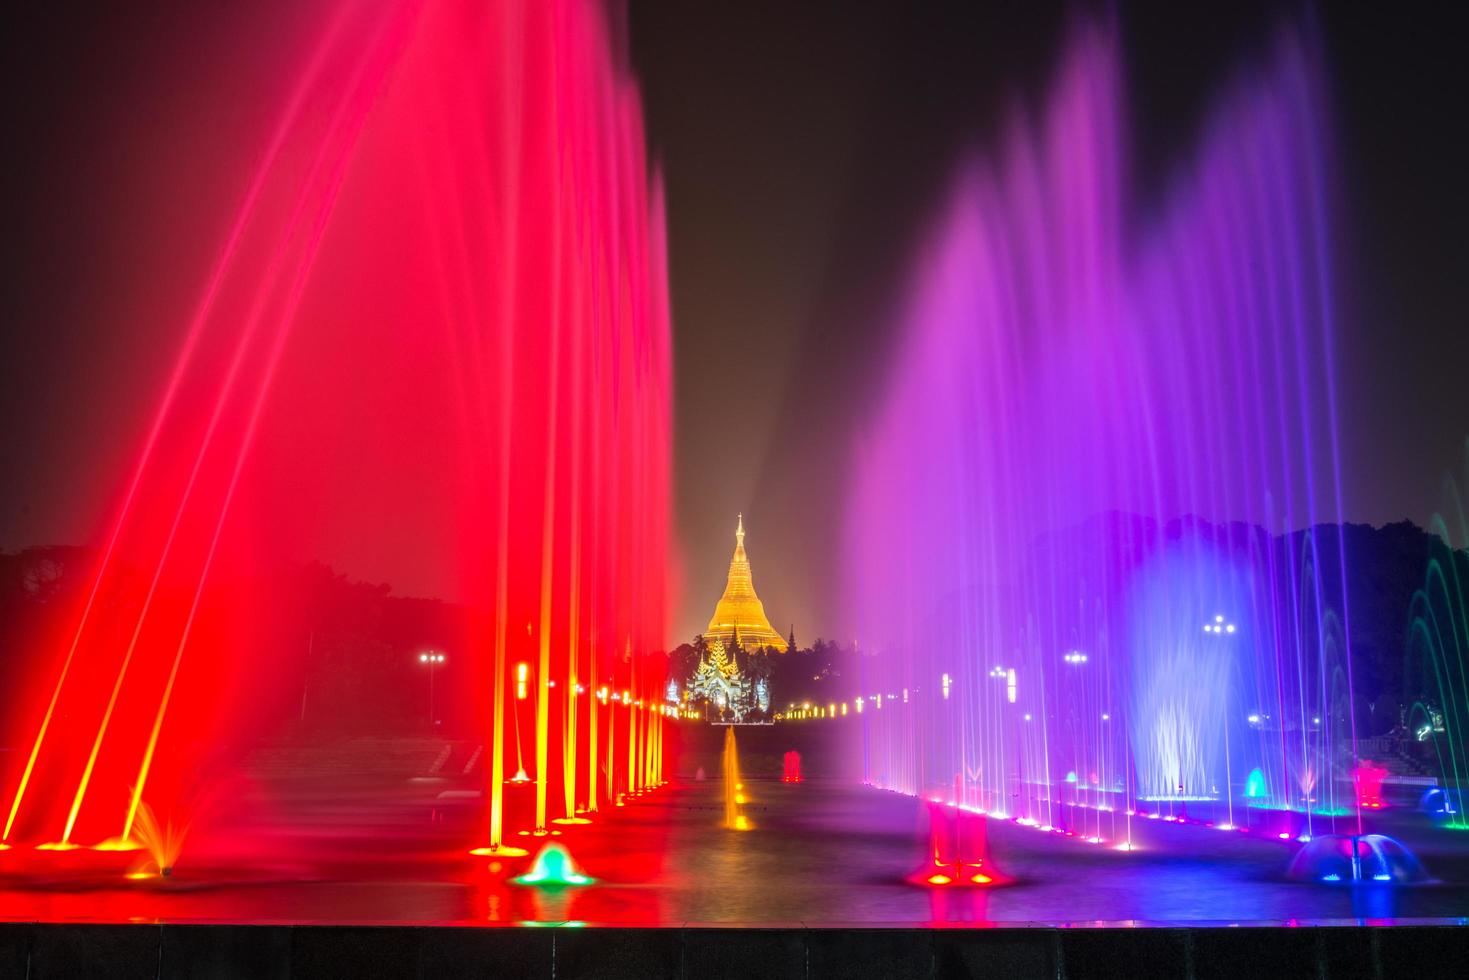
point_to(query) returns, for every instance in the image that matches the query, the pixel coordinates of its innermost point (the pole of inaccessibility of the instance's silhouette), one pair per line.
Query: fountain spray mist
(734, 787)
(441, 309)
(1100, 489)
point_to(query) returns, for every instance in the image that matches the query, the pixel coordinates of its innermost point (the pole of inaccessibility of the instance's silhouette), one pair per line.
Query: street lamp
(431, 659)
(1219, 626)
(1007, 675)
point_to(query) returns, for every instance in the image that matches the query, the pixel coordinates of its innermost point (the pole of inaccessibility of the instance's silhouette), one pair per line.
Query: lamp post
(1077, 714)
(431, 659)
(1221, 627)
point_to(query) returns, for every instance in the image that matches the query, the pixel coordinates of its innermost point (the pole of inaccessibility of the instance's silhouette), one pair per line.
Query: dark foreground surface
(1419, 952)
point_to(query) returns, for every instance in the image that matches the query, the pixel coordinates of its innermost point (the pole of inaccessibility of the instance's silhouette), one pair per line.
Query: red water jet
(433, 345)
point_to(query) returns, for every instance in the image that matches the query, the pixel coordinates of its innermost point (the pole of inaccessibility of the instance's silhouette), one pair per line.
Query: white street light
(1219, 626)
(432, 659)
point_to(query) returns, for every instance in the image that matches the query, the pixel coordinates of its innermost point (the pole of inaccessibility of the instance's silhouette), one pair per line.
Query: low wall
(72, 950)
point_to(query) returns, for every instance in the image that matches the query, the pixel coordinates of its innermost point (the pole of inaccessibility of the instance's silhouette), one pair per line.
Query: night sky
(804, 145)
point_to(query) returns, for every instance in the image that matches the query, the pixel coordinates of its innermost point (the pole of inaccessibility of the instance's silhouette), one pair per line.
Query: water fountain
(441, 306)
(734, 787)
(553, 867)
(1093, 534)
(1356, 859)
(1442, 804)
(957, 852)
(1438, 642)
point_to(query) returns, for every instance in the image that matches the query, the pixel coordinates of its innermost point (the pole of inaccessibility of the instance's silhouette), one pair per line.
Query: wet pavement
(819, 852)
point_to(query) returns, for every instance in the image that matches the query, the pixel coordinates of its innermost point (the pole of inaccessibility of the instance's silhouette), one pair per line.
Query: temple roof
(740, 615)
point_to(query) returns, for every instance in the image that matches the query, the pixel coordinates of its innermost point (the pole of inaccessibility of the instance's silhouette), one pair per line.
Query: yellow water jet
(733, 797)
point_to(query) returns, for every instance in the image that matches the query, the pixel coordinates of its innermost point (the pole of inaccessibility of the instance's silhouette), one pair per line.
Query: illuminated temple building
(739, 619)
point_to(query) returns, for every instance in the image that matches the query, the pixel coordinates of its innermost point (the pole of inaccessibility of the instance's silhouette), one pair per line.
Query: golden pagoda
(740, 616)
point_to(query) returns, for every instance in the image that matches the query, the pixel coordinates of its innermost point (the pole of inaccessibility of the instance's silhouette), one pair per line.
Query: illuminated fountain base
(1441, 804)
(1349, 859)
(957, 852)
(955, 876)
(553, 867)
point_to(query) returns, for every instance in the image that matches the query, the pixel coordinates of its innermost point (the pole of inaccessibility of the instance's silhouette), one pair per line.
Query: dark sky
(804, 145)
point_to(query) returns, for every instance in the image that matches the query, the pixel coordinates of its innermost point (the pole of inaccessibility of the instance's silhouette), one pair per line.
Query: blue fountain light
(1336, 858)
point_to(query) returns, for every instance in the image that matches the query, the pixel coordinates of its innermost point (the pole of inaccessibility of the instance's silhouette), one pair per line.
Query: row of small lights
(1076, 657)
(1007, 674)
(604, 694)
(1152, 815)
(1125, 845)
(835, 709)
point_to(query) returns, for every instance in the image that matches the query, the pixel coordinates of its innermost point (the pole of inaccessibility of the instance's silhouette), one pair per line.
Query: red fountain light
(792, 770)
(434, 341)
(957, 850)
(1368, 778)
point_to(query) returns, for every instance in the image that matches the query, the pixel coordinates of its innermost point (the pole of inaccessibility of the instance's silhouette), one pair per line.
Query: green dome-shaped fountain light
(553, 866)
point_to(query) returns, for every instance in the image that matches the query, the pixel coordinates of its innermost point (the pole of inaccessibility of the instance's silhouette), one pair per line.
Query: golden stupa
(740, 616)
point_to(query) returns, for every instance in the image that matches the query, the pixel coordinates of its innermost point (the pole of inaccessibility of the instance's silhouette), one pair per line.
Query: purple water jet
(1099, 492)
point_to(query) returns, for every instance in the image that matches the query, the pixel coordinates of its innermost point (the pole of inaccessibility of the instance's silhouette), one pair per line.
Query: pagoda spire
(739, 618)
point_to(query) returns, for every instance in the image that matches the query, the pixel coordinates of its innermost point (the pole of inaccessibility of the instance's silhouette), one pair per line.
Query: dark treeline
(344, 654)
